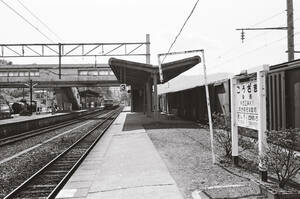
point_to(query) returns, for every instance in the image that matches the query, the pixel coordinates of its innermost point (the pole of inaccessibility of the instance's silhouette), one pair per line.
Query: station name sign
(247, 104)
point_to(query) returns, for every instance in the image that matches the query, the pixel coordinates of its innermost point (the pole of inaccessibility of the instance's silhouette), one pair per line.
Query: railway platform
(20, 124)
(124, 164)
(34, 116)
(17, 118)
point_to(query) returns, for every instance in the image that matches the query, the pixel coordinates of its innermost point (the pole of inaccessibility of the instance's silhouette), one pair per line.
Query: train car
(23, 108)
(110, 103)
(5, 111)
(17, 107)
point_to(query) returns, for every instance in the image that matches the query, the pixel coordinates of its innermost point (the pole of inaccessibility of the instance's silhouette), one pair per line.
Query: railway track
(25, 135)
(47, 182)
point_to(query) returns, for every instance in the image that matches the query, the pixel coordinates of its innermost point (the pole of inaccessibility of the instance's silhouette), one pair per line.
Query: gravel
(186, 152)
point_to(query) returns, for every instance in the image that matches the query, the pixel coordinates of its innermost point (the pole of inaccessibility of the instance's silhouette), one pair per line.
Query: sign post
(234, 128)
(248, 110)
(262, 124)
(206, 91)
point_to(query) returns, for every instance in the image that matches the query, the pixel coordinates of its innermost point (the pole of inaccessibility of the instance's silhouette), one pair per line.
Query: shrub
(281, 155)
(222, 132)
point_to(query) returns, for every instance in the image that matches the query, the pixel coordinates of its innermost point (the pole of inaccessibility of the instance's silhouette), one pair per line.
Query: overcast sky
(211, 27)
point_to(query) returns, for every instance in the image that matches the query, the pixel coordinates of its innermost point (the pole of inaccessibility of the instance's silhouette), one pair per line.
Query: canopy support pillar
(155, 97)
(148, 98)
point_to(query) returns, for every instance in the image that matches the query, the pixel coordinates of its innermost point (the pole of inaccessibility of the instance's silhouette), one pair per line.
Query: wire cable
(268, 18)
(37, 18)
(256, 36)
(16, 12)
(253, 50)
(192, 11)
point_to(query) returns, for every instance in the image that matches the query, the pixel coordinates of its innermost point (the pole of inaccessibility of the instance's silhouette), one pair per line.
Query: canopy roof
(132, 73)
(137, 74)
(175, 68)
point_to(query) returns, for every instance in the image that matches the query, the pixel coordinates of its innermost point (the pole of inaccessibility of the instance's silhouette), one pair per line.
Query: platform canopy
(132, 73)
(135, 73)
(171, 70)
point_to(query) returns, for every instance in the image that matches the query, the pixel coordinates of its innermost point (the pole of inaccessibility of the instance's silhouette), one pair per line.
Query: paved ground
(124, 164)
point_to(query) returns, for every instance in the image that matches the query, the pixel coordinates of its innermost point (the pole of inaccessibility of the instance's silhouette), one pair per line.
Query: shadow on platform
(135, 121)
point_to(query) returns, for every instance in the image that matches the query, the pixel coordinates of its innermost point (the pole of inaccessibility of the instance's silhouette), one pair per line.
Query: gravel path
(186, 152)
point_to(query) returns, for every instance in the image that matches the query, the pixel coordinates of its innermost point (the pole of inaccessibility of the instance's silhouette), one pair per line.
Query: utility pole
(30, 88)
(30, 85)
(290, 29)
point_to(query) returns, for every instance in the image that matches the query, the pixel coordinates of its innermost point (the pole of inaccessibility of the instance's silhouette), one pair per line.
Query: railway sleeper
(32, 194)
(56, 172)
(61, 166)
(69, 157)
(37, 197)
(65, 162)
(78, 154)
(42, 181)
(35, 193)
(39, 186)
(49, 178)
(84, 146)
(53, 175)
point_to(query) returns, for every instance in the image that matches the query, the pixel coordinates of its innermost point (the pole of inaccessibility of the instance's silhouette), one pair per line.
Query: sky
(211, 27)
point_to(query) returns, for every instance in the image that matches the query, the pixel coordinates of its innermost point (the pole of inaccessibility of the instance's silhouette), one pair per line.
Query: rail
(47, 182)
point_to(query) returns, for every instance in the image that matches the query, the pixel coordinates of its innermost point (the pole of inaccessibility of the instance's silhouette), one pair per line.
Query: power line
(37, 18)
(268, 18)
(26, 20)
(256, 36)
(250, 51)
(180, 31)
(251, 38)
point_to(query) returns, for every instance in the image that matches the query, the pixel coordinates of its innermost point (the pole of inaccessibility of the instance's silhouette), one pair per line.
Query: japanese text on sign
(246, 104)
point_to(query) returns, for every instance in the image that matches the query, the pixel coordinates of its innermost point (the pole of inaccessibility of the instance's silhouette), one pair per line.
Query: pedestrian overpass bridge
(47, 75)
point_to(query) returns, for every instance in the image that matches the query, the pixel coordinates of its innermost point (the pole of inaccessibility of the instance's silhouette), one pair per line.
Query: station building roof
(135, 73)
(286, 65)
(190, 82)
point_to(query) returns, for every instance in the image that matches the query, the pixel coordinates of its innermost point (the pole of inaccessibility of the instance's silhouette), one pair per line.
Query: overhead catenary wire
(251, 51)
(192, 11)
(268, 18)
(256, 36)
(37, 18)
(43, 23)
(27, 21)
